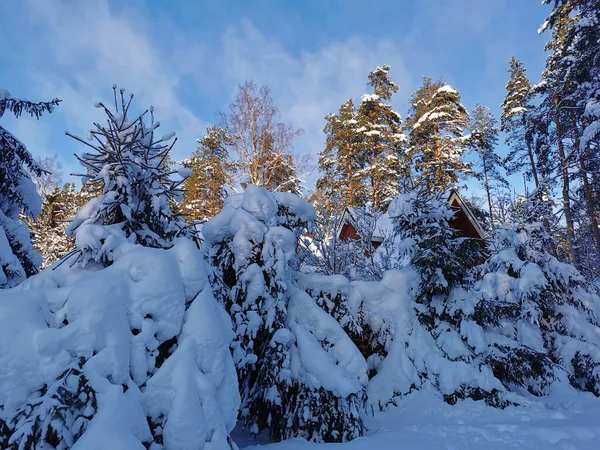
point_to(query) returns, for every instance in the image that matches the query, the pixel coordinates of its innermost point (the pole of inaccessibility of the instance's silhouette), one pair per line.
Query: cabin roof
(384, 224)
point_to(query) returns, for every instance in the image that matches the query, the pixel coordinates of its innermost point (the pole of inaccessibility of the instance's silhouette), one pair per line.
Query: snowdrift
(120, 357)
(300, 373)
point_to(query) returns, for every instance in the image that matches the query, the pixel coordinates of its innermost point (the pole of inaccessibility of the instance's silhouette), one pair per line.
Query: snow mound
(143, 341)
(296, 363)
(424, 422)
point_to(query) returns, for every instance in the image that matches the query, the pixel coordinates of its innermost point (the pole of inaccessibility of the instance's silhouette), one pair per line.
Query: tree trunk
(350, 181)
(588, 191)
(211, 193)
(596, 184)
(375, 186)
(438, 160)
(531, 158)
(590, 204)
(487, 188)
(565, 188)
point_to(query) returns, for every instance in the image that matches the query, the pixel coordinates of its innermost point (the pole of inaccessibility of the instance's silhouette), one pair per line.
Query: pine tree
(436, 124)
(565, 91)
(583, 40)
(516, 110)
(18, 195)
(341, 161)
(49, 230)
(571, 78)
(129, 163)
(484, 137)
(382, 140)
(205, 187)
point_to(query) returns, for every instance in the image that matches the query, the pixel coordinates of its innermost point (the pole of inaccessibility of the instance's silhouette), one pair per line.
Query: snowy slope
(424, 422)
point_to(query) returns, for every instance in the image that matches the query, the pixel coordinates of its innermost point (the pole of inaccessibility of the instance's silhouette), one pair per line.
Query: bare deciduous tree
(50, 177)
(259, 144)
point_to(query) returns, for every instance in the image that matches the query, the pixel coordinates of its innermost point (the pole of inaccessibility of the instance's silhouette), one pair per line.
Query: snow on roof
(384, 225)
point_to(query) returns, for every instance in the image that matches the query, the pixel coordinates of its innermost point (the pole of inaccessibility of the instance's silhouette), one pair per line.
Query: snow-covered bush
(551, 307)
(127, 162)
(432, 246)
(128, 349)
(431, 323)
(132, 356)
(300, 374)
(322, 251)
(331, 294)
(18, 195)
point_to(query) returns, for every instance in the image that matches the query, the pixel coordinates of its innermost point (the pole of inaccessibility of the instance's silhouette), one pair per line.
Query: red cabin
(464, 221)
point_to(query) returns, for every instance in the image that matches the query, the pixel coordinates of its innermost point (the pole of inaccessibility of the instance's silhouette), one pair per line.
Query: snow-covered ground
(423, 422)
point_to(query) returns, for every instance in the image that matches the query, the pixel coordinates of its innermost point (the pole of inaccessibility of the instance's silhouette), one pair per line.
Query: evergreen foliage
(381, 140)
(129, 163)
(252, 245)
(547, 300)
(436, 122)
(341, 162)
(49, 230)
(18, 195)
(443, 260)
(205, 187)
(516, 112)
(58, 416)
(364, 158)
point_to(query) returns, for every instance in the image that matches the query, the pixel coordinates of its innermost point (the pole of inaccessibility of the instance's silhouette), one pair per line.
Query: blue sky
(188, 57)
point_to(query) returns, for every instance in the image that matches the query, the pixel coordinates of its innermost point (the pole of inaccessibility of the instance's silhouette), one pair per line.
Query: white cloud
(310, 85)
(91, 47)
(473, 16)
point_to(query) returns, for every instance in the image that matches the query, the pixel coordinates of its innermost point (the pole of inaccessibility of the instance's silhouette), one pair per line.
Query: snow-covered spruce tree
(300, 374)
(331, 294)
(551, 306)
(442, 258)
(18, 195)
(129, 163)
(132, 354)
(431, 324)
(57, 415)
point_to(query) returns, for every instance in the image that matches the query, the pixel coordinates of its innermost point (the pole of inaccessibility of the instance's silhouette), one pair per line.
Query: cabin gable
(347, 231)
(463, 221)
